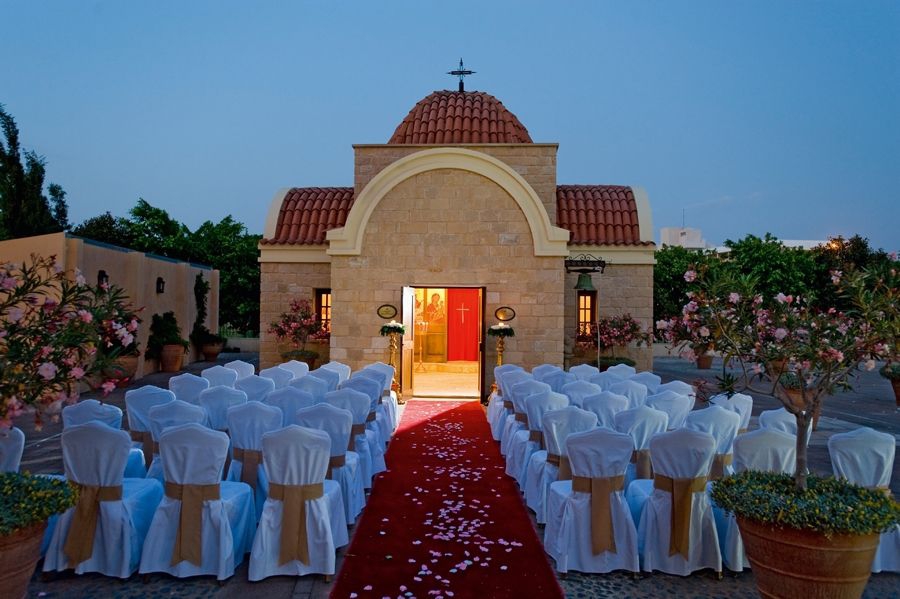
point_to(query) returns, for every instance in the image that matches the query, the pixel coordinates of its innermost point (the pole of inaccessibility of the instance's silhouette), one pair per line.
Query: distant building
(803, 244)
(683, 237)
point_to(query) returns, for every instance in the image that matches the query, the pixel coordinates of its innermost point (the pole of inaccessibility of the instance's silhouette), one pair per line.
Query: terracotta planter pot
(19, 553)
(895, 383)
(123, 369)
(311, 362)
(802, 563)
(171, 357)
(704, 362)
(211, 351)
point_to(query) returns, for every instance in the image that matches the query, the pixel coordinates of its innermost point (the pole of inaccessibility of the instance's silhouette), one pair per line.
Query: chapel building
(458, 215)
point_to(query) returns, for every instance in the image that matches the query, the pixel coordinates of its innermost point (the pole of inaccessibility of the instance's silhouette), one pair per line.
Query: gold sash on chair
(536, 437)
(189, 538)
(562, 463)
(602, 537)
(719, 463)
(294, 541)
(523, 418)
(371, 417)
(146, 441)
(682, 491)
(356, 429)
(508, 404)
(336, 461)
(80, 540)
(250, 460)
(643, 468)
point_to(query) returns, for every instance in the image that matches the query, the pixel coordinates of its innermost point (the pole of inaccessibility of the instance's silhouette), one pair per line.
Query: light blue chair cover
(88, 410)
(289, 400)
(247, 423)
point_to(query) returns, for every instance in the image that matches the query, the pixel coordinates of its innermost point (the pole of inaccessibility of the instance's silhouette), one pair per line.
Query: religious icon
(434, 311)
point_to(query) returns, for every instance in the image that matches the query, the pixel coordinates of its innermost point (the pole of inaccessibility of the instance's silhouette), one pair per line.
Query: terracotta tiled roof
(453, 117)
(598, 214)
(308, 212)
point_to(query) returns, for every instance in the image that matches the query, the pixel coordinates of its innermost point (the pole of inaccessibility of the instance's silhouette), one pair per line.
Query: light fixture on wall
(102, 278)
(584, 265)
(160, 285)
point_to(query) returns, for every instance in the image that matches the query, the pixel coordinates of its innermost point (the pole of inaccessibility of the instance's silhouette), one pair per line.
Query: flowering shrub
(117, 321)
(27, 500)
(298, 325)
(612, 331)
(49, 339)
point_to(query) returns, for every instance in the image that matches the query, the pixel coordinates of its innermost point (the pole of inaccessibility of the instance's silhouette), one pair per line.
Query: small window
(323, 307)
(587, 311)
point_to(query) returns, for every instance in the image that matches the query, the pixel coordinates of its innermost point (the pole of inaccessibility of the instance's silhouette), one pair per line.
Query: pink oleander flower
(662, 324)
(780, 333)
(77, 372)
(108, 387)
(734, 297)
(15, 314)
(85, 316)
(704, 332)
(690, 276)
(47, 370)
(870, 364)
(836, 276)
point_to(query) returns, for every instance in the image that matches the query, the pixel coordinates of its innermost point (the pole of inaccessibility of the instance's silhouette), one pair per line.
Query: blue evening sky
(749, 116)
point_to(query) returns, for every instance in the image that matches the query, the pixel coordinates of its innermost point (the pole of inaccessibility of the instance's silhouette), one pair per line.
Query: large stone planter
(171, 358)
(19, 553)
(211, 351)
(795, 563)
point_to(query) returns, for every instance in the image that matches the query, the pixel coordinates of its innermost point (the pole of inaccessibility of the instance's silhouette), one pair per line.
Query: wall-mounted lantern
(102, 279)
(160, 285)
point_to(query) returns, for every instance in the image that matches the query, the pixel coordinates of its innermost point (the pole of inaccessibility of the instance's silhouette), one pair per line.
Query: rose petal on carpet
(444, 520)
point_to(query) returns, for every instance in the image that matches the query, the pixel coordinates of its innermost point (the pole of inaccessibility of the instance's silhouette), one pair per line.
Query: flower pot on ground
(704, 361)
(298, 326)
(166, 343)
(891, 371)
(301, 355)
(123, 370)
(208, 343)
(609, 335)
(171, 357)
(211, 351)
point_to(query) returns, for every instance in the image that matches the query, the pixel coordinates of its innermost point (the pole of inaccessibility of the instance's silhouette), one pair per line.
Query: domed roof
(454, 117)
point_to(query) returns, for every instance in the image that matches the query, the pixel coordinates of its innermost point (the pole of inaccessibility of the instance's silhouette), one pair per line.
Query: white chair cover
(247, 423)
(385, 403)
(559, 379)
(782, 420)
(195, 455)
(678, 387)
(12, 444)
(289, 400)
(740, 403)
(364, 443)
(342, 369)
(331, 377)
(578, 390)
(296, 368)
(241, 368)
(766, 450)
(389, 397)
(506, 381)
(88, 410)
(137, 406)
(677, 406)
(95, 454)
(220, 376)
(280, 376)
(558, 425)
(521, 446)
(542, 370)
(642, 424)
(722, 424)
(680, 454)
(598, 453)
(606, 405)
(495, 402)
(865, 457)
(635, 392)
(622, 370)
(606, 379)
(166, 416)
(312, 385)
(584, 372)
(367, 383)
(256, 387)
(337, 422)
(216, 401)
(649, 380)
(187, 387)
(299, 456)
(517, 395)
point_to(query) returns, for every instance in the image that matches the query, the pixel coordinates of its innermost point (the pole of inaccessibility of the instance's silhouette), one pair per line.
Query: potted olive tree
(784, 346)
(208, 343)
(166, 343)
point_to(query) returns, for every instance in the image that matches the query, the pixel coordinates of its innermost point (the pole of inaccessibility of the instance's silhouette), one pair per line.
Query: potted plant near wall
(166, 343)
(786, 347)
(48, 347)
(117, 322)
(891, 371)
(609, 337)
(208, 343)
(297, 326)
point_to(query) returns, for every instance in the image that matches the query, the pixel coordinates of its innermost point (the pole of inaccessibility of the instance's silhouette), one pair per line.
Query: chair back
(365, 384)
(578, 390)
(193, 454)
(647, 379)
(539, 372)
(766, 450)
(584, 372)
(248, 422)
(381, 377)
(139, 401)
(559, 424)
(739, 402)
(520, 391)
(355, 402)
(606, 405)
(187, 387)
(605, 379)
(289, 400)
(256, 387)
(678, 387)
(682, 453)
(174, 414)
(622, 370)
(386, 370)
(95, 454)
(599, 452)
(312, 385)
(280, 376)
(296, 368)
(331, 378)
(500, 371)
(342, 369)
(333, 420)
(722, 424)
(91, 410)
(642, 424)
(12, 444)
(863, 456)
(219, 376)
(541, 403)
(635, 392)
(508, 380)
(559, 379)
(216, 401)
(780, 420)
(242, 368)
(296, 455)
(676, 406)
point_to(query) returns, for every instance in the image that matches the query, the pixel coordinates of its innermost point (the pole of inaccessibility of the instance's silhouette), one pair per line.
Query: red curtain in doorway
(464, 319)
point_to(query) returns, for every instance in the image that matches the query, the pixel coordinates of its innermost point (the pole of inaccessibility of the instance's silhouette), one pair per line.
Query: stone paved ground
(871, 404)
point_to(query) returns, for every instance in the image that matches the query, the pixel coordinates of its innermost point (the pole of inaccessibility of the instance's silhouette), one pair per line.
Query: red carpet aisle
(444, 520)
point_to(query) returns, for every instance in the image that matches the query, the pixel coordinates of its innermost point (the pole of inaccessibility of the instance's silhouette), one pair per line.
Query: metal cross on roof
(461, 72)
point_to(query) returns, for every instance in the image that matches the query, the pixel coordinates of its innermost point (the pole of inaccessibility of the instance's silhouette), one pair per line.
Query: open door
(408, 314)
